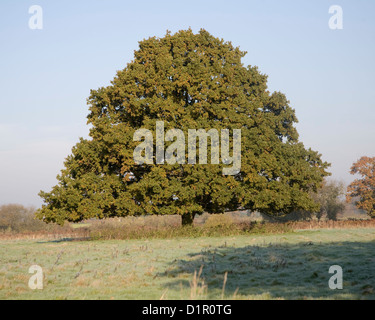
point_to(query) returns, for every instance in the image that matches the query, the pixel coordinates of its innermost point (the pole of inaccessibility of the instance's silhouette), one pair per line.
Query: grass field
(284, 266)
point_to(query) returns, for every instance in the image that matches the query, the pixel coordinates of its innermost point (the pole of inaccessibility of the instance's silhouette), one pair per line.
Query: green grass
(280, 266)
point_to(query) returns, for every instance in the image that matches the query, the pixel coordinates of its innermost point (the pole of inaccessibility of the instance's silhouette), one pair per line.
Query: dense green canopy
(189, 81)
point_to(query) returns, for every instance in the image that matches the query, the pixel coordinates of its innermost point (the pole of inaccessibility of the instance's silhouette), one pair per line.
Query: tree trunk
(187, 219)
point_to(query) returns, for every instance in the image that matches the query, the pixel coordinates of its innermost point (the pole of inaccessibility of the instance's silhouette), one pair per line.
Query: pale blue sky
(46, 75)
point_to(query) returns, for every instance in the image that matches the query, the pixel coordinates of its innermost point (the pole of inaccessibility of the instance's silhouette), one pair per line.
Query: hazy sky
(46, 75)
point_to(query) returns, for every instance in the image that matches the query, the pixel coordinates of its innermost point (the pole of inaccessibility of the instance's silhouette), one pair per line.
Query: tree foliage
(363, 189)
(15, 217)
(189, 81)
(329, 198)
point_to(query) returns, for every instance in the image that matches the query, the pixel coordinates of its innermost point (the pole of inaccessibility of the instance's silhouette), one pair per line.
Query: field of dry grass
(227, 256)
(255, 266)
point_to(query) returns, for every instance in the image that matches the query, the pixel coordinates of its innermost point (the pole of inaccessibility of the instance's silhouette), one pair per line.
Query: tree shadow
(287, 271)
(67, 240)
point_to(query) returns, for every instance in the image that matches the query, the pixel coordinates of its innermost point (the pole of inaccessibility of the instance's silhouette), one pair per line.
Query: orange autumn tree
(363, 189)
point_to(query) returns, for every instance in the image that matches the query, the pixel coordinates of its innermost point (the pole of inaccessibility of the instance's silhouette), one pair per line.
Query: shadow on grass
(66, 240)
(298, 271)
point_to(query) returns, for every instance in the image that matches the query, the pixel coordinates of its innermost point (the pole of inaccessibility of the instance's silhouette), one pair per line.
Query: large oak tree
(189, 81)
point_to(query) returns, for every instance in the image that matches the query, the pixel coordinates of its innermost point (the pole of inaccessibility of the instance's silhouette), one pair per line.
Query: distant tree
(16, 217)
(330, 199)
(363, 189)
(188, 81)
